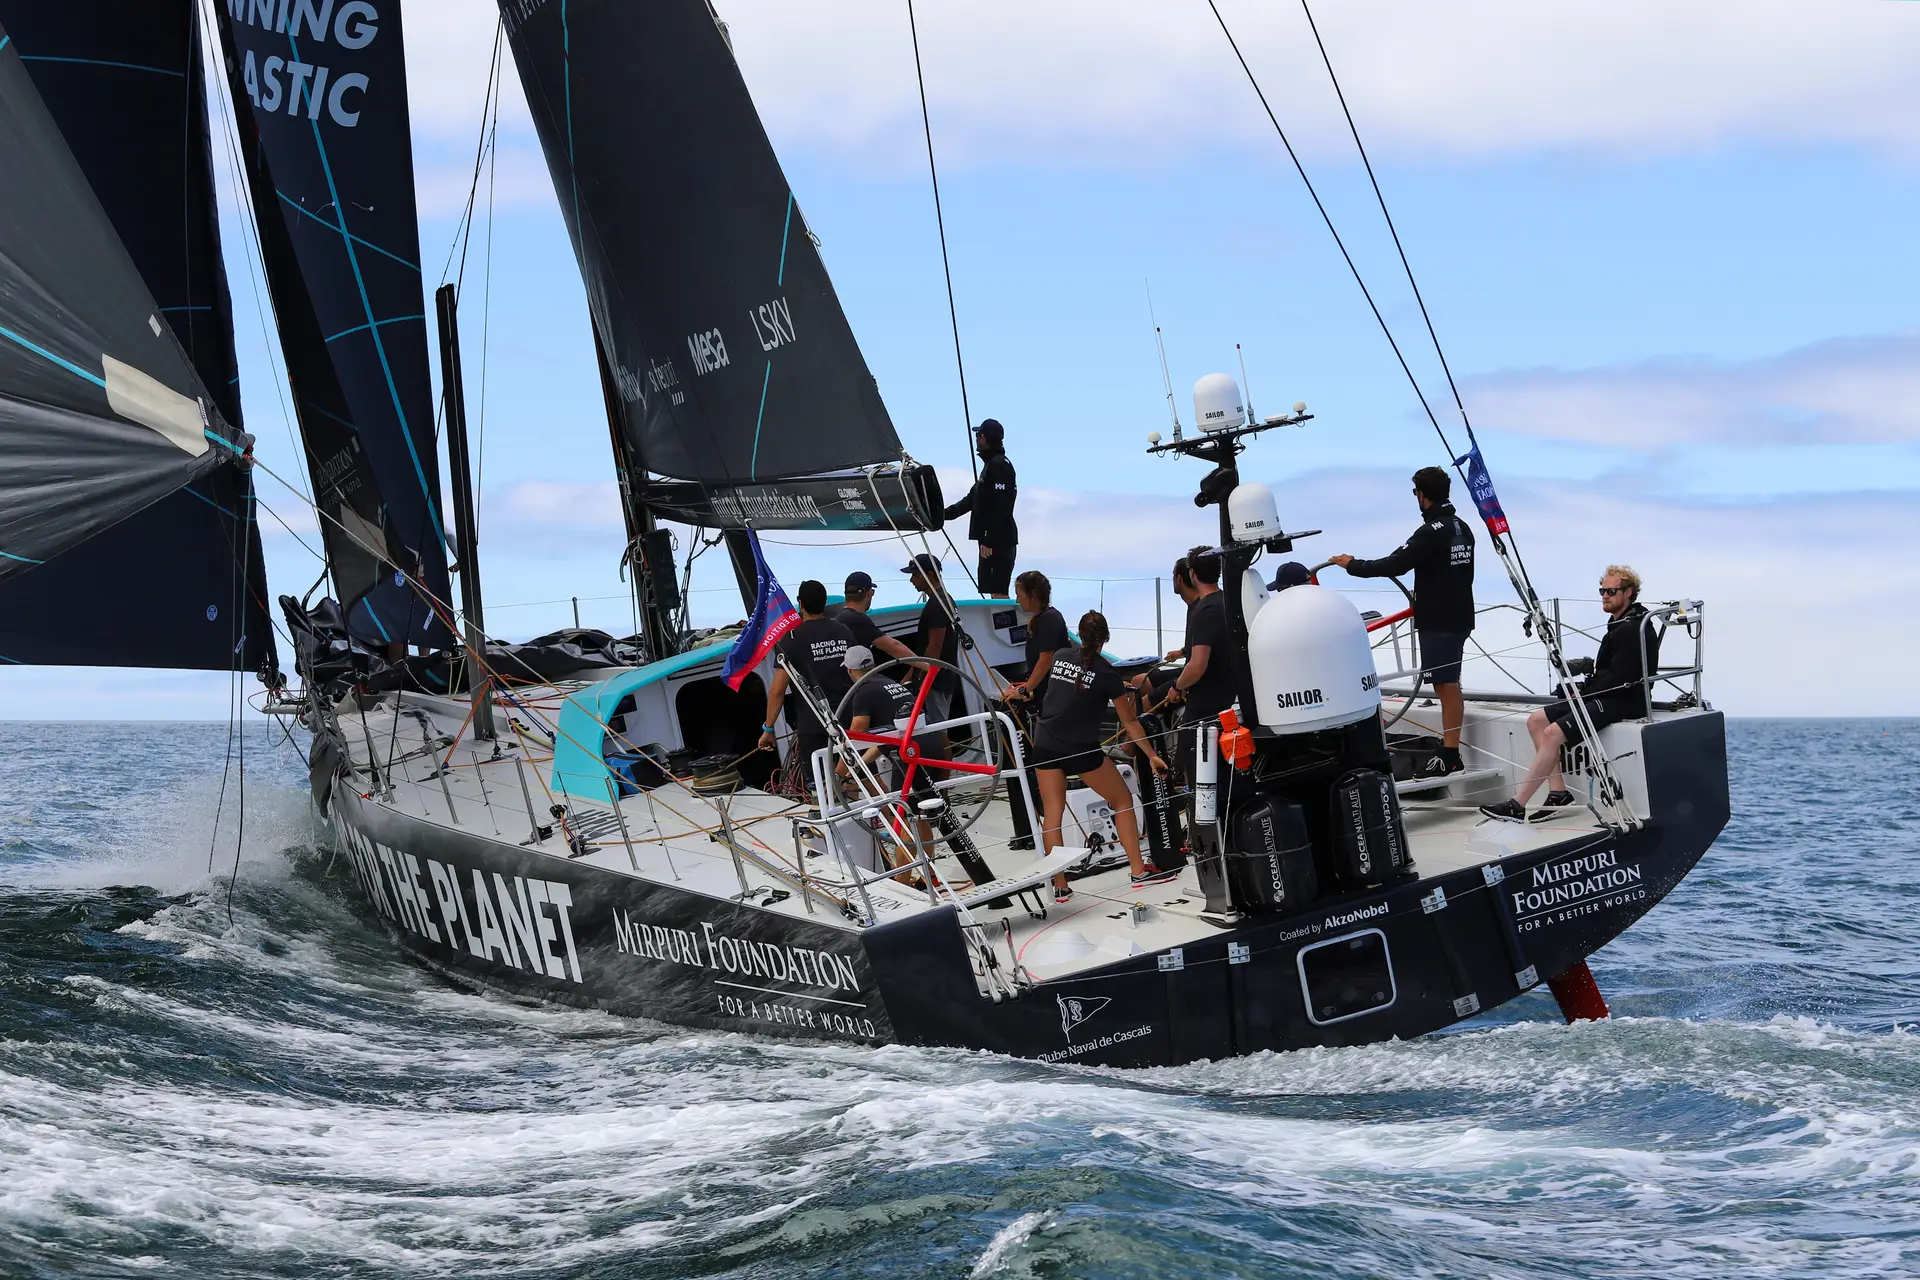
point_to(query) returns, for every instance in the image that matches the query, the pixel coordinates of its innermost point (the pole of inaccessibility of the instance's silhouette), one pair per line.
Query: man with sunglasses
(1440, 553)
(1616, 688)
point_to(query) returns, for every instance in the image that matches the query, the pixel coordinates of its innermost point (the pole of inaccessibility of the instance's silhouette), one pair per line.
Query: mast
(649, 548)
(466, 535)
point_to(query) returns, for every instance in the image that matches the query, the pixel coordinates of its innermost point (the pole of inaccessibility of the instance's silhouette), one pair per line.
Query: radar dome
(1217, 404)
(1312, 666)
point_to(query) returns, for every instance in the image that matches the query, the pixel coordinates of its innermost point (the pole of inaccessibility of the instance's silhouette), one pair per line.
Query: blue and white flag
(773, 616)
(1481, 486)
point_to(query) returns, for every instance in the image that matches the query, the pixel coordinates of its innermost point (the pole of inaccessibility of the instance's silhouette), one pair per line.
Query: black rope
(1406, 266)
(463, 233)
(240, 828)
(1327, 218)
(953, 313)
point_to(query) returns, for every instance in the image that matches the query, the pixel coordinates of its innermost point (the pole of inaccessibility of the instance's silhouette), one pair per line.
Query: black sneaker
(1153, 875)
(1020, 842)
(1062, 894)
(1432, 765)
(1452, 757)
(1506, 811)
(1558, 799)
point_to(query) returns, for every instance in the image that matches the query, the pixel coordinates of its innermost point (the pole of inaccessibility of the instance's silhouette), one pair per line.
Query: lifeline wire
(926, 123)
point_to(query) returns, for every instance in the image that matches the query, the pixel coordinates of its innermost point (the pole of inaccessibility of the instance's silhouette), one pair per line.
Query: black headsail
(101, 413)
(321, 88)
(183, 581)
(733, 361)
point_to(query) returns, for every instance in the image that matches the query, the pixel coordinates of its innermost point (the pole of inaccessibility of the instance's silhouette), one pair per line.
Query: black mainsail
(320, 86)
(101, 412)
(183, 579)
(732, 359)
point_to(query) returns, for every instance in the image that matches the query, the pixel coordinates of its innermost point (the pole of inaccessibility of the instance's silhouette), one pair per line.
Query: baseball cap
(1291, 574)
(859, 582)
(858, 658)
(926, 562)
(991, 429)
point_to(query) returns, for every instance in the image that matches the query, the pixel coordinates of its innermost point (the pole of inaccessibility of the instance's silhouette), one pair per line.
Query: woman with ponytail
(1066, 740)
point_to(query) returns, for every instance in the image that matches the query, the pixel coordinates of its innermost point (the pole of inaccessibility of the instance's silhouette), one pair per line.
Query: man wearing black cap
(1440, 553)
(853, 616)
(938, 637)
(991, 503)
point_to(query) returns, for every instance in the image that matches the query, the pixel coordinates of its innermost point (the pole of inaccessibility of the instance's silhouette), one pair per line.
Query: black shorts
(1074, 763)
(1561, 713)
(1440, 654)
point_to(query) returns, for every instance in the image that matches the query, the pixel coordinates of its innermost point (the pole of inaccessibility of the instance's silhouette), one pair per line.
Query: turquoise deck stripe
(22, 559)
(66, 364)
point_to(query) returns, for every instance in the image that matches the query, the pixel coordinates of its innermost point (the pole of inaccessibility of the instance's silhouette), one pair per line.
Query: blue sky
(1668, 249)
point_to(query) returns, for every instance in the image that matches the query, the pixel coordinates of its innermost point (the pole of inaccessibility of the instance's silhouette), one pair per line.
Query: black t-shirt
(817, 652)
(1213, 692)
(934, 616)
(1047, 633)
(1078, 692)
(865, 630)
(886, 704)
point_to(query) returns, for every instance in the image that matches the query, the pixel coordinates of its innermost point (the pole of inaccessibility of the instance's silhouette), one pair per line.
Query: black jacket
(1440, 553)
(991, 502)
(1618, 679)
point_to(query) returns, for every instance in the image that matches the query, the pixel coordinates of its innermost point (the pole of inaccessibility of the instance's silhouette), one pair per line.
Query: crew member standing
(991, 503)
(816, 650)
(1440, 553)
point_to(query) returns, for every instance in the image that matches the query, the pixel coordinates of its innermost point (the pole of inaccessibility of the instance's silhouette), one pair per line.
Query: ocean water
(274, 1091)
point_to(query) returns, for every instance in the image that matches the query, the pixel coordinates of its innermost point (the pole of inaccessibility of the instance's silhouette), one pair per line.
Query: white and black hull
(1351, 968)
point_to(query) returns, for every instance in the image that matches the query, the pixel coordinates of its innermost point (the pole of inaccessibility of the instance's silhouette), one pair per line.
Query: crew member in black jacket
(1440, 553)
(1616, 688)
(991, 503)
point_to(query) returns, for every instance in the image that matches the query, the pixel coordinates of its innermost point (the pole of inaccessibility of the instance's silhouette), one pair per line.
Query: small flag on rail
(773, 616)
(1482, 486)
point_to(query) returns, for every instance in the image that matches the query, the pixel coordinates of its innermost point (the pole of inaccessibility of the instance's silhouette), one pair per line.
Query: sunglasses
(1611, 591)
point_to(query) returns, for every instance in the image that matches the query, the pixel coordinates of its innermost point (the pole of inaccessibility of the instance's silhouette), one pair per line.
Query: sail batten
(731, 356)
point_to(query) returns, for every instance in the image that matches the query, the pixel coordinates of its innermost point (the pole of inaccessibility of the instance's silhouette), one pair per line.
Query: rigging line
(486, 308)
(1406, 266)
(240, 827)
(463, 233)
(1327, 218)
(939, 219)
(252, 252)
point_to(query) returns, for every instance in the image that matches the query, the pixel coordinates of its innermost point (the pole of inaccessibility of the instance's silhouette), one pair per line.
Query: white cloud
(1133, 81)
(1846, 390)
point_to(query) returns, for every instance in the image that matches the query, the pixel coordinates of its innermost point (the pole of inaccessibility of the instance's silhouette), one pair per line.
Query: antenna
(1245, 389)
(1165, 376)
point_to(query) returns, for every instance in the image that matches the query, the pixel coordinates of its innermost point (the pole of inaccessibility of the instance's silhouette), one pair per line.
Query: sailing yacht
(586, 820)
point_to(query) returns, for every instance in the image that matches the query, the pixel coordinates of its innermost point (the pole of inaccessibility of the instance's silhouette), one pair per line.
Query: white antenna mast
(1245, 389)
(1173, 408)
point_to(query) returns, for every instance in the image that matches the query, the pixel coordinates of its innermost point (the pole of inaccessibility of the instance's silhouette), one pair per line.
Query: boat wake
(282, 1095)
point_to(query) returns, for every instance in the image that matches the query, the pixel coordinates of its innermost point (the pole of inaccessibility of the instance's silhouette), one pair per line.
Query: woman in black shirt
(1067, 740)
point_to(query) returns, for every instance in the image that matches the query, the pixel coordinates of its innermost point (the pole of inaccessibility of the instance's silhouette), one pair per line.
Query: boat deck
(746, 845)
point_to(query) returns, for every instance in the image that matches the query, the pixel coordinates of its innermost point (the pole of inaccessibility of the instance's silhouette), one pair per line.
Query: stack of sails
(104, 419)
